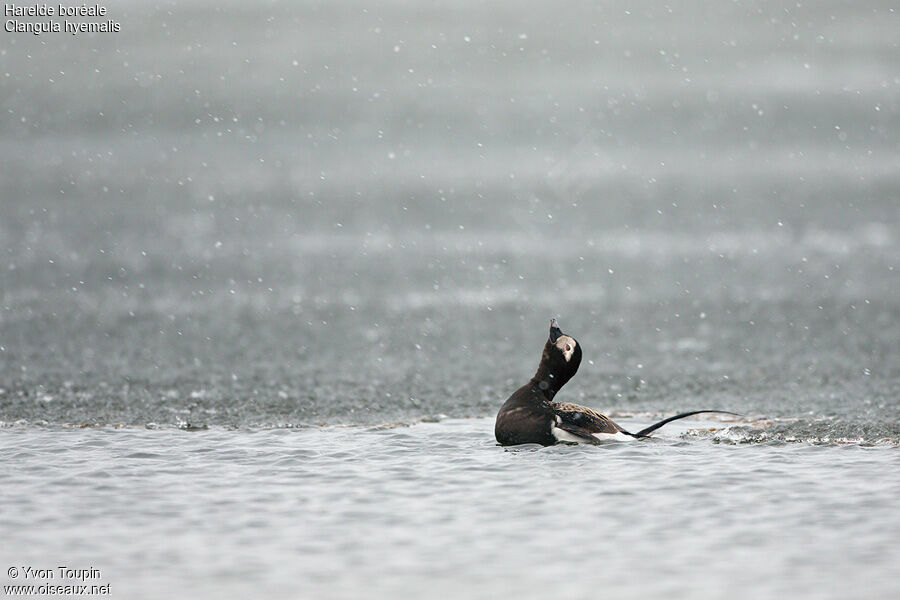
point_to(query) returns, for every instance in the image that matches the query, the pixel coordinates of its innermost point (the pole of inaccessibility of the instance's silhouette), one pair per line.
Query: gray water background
(266, 218)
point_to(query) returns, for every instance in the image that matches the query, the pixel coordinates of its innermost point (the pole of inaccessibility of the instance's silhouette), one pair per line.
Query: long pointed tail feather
(643, 432)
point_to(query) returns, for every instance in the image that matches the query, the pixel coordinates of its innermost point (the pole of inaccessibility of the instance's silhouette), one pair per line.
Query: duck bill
(555, 331)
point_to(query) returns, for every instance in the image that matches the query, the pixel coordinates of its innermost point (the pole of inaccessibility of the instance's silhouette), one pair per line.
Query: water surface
(438, 508)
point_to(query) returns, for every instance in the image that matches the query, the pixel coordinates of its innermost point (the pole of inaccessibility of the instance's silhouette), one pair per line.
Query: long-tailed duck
(530, 416)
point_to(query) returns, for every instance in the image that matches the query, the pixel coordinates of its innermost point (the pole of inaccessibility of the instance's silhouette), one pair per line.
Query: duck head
(559, 361)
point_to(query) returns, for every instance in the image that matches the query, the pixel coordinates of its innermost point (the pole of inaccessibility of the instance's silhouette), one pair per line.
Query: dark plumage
(530, 416)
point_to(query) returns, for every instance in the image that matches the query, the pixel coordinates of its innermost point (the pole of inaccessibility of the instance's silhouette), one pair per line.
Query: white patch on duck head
(566, 345)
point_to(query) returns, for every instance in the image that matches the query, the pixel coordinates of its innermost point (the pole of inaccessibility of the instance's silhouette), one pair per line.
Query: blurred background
(356, 212)
(245, 218)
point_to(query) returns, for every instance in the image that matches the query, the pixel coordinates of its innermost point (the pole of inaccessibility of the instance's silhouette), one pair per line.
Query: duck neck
(548, 383)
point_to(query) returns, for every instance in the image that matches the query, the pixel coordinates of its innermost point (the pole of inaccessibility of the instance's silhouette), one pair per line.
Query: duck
(531, 415)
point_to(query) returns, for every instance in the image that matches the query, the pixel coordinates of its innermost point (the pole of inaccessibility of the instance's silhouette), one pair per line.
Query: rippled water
(437, 509)
(237, 239)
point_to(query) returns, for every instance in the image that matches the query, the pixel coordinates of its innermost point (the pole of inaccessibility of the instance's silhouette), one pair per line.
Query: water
(438, 508)
(238, 241)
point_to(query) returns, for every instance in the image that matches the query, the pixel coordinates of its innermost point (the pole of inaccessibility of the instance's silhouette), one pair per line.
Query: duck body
(529, 417)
